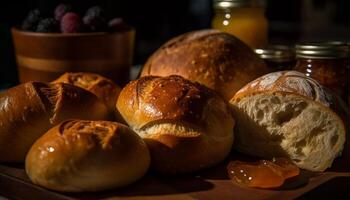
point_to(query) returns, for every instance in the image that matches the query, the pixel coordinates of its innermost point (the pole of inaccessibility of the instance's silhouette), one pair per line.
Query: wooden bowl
(45, 56)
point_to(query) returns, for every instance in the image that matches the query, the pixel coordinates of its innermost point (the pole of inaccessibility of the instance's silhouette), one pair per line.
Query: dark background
(156, 21)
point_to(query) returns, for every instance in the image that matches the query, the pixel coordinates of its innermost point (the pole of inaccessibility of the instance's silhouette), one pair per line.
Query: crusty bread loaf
(80, 155)
(102, 87)
(216, 59)
(186, 126)
(289, 114)
(27, 111)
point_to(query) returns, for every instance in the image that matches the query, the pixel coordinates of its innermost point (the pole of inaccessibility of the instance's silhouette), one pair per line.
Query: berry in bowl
(48, 46)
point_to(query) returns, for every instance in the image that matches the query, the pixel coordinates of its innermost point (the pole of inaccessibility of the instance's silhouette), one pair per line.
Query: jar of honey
(277, 57)
(244, 19)
(328, 63)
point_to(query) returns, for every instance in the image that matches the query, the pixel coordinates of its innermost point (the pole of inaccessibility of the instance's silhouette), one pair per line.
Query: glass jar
(244, 19)
(277, 57)
(328, 63)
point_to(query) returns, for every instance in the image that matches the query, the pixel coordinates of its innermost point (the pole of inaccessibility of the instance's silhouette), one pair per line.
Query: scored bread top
(102, 87)
(86, 80)
(154, 98)
(57, 101)
(103, 131)
(288, 81)
(295, 83)
(63, 100)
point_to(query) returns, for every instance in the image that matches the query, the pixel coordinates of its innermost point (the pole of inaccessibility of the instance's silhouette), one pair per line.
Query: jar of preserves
(277, 57)
(328, 63)
(244, 19)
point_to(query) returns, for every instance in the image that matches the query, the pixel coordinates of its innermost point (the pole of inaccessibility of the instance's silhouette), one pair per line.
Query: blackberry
(32, 20)
(95, 24)
(117, 24)
(95, 11)
(61, 10)
(48, 25)
(95, 19)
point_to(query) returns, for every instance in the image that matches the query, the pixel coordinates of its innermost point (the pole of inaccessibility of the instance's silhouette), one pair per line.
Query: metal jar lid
(227, 4)
(276, 53)
(323, 50)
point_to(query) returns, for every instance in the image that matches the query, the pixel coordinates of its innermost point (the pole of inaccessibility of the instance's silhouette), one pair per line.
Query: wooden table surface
(209, 184)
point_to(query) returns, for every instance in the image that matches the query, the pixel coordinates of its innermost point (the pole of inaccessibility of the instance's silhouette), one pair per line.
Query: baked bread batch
(184, 114)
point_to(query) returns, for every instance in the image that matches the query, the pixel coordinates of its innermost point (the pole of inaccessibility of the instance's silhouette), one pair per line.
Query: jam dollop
(262, 174)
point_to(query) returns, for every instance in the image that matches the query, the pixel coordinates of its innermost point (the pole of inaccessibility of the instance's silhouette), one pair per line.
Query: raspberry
(48, 25)
(71, 23)
(117, 24)
(32, 20)
(61, 10)
(95, 19)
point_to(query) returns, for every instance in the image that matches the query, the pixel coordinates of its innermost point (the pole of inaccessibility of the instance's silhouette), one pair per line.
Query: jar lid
(323, 50)
(226, 4)
(276, 53)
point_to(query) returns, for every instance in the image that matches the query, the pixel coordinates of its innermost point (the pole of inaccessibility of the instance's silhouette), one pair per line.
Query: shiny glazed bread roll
(27, 111)
(287, 114)
(102, 87)
(79, 155)
(216, 59)
(186, 126)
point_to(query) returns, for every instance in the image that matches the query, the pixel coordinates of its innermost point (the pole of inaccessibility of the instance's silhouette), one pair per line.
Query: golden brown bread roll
(186, 126)
(79, 155)
(27, 111)
(287, 114)
(102, 87)
(216, 59)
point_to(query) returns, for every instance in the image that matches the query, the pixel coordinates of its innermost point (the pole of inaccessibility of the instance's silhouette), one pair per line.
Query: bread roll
(216, 59)
(102, 87)
(27, 111)
(289, 114)
(186, 126)
(80, 155)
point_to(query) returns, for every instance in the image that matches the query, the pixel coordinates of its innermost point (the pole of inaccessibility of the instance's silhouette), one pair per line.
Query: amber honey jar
(277, 57)
(244, 19)
(328, 63)
(46, 56)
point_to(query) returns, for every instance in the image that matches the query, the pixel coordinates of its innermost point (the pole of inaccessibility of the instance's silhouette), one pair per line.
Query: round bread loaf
(216, 59)
(186, 126)
(102, 87)
(287, 114)
(27, 111)
(80, 155)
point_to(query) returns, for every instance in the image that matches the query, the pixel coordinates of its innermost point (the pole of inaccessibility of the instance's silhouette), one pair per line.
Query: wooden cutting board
(209, 184)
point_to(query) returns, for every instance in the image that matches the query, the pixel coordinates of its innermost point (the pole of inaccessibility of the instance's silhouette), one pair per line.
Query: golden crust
(79, 155)
(102, 87)
(213, 58)
(187, 126)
